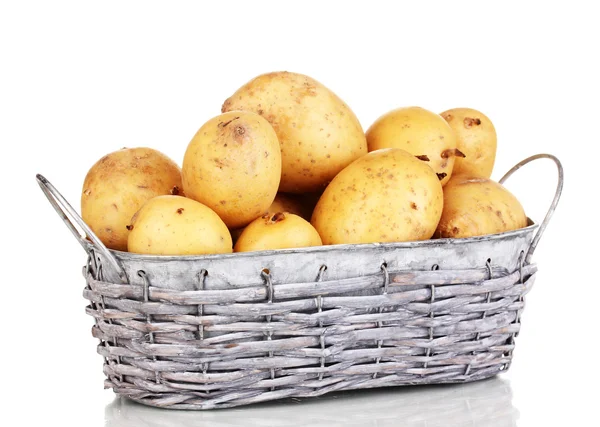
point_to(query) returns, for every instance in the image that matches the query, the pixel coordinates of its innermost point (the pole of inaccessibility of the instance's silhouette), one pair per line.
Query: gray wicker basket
(219, 331)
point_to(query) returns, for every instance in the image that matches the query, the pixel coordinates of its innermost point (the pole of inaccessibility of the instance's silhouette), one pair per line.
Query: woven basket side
(206, 349)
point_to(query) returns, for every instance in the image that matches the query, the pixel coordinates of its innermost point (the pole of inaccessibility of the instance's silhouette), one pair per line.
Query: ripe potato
(175, 225)
(233, 166)
(277, 231)
(289, 203)
(476, 138)
(119, 184)
(387, 195)
(318, 133)
(475, 206)
(420, 132)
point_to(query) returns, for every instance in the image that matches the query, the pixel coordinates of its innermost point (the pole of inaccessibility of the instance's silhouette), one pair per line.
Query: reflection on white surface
(483, 404)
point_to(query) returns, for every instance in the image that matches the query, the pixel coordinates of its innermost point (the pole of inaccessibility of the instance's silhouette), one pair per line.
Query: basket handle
(552, 208)
(68, 214)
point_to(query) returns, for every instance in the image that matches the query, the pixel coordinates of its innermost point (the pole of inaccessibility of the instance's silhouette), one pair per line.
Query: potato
(387, 195)
(421, 133)
(233, 166)
(476, 138)
(318, 133)
(119, 184)
(277, 231)
(175, 225)
(290, 203)
(476, 206)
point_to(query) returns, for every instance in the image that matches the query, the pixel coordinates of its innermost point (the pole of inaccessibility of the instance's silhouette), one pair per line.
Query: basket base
(362, 383)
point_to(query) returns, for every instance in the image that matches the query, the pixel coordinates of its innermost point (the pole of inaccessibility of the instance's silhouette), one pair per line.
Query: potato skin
(420, 132)
(175, 225)
(233, 166)
(387, 195)
(318, 133)
(280, 230)
(476, 206)
(476, 138)
(119, 184)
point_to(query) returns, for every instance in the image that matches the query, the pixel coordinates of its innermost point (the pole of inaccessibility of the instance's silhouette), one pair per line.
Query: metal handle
(67, 213)
(552, 208)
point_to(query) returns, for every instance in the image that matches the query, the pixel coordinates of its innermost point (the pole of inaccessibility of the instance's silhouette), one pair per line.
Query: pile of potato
(288, 165)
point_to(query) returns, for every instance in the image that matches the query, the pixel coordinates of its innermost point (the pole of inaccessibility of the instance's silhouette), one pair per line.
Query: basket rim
(321, 249)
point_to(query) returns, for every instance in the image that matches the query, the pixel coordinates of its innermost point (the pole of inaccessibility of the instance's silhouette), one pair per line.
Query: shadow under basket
(216, 331)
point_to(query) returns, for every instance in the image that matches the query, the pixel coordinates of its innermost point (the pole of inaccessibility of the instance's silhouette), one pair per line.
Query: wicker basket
(219, 331)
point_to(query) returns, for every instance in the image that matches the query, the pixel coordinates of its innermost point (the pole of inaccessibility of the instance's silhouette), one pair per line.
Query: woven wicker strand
(220, 348)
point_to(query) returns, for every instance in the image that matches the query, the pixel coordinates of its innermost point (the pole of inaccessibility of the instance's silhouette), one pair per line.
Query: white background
(81, 79)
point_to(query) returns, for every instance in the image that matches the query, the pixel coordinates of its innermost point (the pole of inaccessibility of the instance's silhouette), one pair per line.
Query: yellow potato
(233, 166)
(277, 231)
(119, 184)
(175, 225)
(290, 203)
(476, 138)
(420, 132)
(318, 133)
(385, 196)
(475, 206)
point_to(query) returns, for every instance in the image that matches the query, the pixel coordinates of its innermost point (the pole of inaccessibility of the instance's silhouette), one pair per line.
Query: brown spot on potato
(455, 231)
(423, 157)
(143, 187)
(278, 217)
(129, 227)
(441, 175)
(114, 205)
(108, 230)
(87, 192)
(266, 154)
(413, 206)
(175, 190)
(220, 163)
(223, 202)
(180, 211)
(452, 152)
(469, 122)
